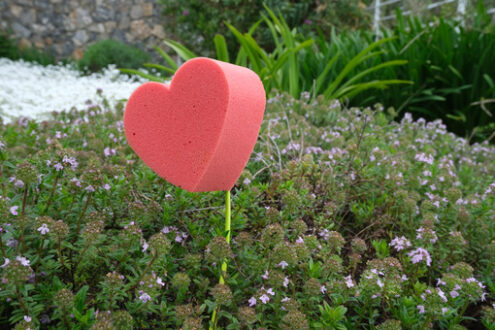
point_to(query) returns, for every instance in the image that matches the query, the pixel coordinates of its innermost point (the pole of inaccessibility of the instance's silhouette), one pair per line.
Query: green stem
(1, 246)
(214, 319)
(145, 271)
(78, 227)
(52, 191)
(24, 200)
(60, 253)
(21, 301)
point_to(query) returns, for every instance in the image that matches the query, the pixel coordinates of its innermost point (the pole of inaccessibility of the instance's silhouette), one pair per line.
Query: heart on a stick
(198, 132)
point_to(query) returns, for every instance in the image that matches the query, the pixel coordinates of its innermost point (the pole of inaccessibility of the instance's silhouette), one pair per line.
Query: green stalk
(214, 319)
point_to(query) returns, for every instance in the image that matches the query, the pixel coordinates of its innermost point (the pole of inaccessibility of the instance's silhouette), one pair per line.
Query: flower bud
(222, 294)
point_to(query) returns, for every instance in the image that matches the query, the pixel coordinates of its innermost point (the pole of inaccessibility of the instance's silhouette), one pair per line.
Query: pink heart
(198, 132)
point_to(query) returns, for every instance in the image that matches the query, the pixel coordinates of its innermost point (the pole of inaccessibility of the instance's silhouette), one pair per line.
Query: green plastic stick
(214, 320)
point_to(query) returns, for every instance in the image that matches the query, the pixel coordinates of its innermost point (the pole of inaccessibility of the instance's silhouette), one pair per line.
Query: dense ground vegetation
(342, 218)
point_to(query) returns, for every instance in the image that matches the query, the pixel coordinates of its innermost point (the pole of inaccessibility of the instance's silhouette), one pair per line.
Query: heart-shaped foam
(199, 131)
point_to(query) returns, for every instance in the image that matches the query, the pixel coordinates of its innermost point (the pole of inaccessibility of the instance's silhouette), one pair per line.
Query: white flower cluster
(31, 90)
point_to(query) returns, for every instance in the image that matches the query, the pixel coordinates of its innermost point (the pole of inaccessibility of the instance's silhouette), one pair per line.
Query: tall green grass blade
(142, 74)
(159, 67)
(181, 50)
(221, 47)
(167, 58)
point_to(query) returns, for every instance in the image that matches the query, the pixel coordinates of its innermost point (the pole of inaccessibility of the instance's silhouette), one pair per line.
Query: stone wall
(67, 27)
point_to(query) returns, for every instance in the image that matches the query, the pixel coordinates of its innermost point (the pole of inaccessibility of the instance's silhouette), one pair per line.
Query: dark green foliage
(452, 68)
(9, 49)
(102, 53)
(196, 22)
(7, 46)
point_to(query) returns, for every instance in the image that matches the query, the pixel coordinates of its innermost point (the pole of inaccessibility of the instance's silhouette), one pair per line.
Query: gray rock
(27, 17)
(21, 30)
(136, 12)
(98, 28)
(80, 37)
(83, 18)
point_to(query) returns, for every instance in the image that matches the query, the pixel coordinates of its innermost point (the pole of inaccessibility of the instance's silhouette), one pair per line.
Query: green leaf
(166, 57)
(142, 74)
(221, 47)
(181, 50)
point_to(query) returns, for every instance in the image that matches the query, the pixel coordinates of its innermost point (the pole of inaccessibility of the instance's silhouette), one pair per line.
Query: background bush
(102, 53)
(195, 22)
(10, 49)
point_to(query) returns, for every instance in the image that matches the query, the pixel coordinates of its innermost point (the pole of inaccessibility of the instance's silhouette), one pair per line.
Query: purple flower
(441, 294)
(27, 318)
(379, 282)
(58, 166)
(159, 281)
(246, 181)
(264, 299)
(300, 240)
(23, 261)
(6, 262)
(323, 289)
(265, 275)
(109, 152)
(252, 301)
(282, 264)
(43, 229)
(13, 210)
(89, 188)
(286, 281)
(418, 255)
(144, 297)
(185, 12)
(348, 281)
(421, 309)
(18, 184)
(270, 292)
(308, 21)
(106, 186)
(444, 310)
(400, 243)
(440, 282)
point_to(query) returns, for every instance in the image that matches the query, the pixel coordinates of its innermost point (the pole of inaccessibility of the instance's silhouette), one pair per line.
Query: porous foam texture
(198, 132)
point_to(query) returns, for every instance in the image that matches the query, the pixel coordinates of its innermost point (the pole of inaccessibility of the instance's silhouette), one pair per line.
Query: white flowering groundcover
(31, 90)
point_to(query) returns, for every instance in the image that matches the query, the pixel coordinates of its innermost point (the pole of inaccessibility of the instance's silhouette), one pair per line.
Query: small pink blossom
(421, 309)
(252, 301)
(283, 264)
(265, 275)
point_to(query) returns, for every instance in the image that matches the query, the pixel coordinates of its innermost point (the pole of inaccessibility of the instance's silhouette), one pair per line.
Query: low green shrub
(343, 218)
(10, 49)
(103, 53)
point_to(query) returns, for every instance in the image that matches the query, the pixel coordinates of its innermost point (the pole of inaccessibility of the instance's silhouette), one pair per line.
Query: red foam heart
(199, 132)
